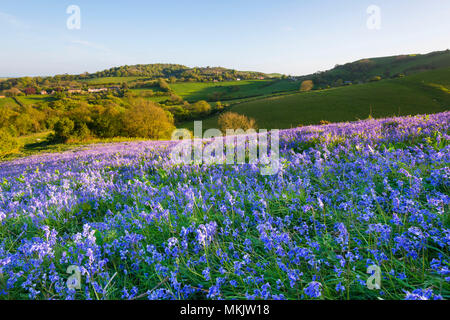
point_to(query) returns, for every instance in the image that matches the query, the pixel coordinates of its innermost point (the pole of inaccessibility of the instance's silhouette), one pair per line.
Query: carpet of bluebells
(347, 196)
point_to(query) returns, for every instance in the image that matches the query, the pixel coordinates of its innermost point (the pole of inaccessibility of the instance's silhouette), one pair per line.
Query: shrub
(219, 106)
(163, 85)
(63, 129)
(51, 122)
(25, 124)
(232, 120)
(12, 92)
(107, 121)
(307, 85)
(6, 113)
(82, 132)
(7, 142)
(200, 108)
(147, 120)
(376, 78)
(175, 99)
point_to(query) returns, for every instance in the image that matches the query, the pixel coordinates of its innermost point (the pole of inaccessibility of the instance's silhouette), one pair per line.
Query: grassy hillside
(421, 93)
(9, 101)
(33, 99)
(385, 67)
(230, 90)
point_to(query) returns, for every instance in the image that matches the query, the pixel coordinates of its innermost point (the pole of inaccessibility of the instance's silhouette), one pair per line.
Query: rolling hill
(179, 72)
(426, 92)
(231, 90)
(385, 67)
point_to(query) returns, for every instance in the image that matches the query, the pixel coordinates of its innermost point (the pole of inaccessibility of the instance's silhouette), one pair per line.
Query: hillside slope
(426, 92)
(385, 67)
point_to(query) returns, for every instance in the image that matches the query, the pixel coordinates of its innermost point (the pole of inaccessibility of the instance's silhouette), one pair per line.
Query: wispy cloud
(12, 21)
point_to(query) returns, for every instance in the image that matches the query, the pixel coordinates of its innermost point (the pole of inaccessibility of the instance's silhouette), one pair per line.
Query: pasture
(230, 90)
(416, 94)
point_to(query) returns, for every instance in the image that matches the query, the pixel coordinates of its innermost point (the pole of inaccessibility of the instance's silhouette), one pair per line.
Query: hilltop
(175, 71)
(366, 70)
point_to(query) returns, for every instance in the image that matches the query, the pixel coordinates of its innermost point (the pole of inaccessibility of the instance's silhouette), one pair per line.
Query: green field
(230, 90)
(421, 93)
(4, 101)
(33, 99)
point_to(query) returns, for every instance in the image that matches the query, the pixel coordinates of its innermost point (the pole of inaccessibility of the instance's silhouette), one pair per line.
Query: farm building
(94, 90)
(75, 91)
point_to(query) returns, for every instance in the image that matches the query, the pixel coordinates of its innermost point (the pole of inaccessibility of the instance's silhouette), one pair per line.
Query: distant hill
(422, 93)
(179, 72)
(140, 72)
(386, 68)
(274, 75)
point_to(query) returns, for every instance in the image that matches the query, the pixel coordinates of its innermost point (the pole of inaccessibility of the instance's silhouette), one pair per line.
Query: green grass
(142, 92)
(33, 99)
(405, 64)
(230, 90)
(5, 101)
(32, 144)
(420, 93)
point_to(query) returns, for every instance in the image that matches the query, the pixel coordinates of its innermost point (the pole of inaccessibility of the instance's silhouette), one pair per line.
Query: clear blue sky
(288, 36)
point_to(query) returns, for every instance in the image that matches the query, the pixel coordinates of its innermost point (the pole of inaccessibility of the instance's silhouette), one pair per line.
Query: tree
(7, 142)
(24, 124)
(307, 85)
(145, 119)
(200, 108)
(163, 85)
(175, 99)
(6, 113)
(64, 129)
(232, 120)
(12, 92)
(107, 121)
(30, 90)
